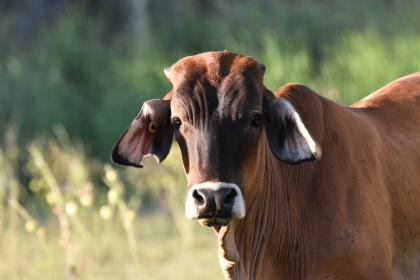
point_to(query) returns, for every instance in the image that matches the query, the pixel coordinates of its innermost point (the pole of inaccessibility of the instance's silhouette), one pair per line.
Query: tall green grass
(355, 66)
(364, 62)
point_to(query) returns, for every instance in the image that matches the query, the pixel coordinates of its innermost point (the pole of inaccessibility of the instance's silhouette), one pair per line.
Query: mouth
(214, 222)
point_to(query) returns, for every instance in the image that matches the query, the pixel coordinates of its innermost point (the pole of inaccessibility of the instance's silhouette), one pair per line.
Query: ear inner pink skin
(150, 133)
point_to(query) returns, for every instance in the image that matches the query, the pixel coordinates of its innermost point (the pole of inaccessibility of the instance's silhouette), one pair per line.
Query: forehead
(222, 81)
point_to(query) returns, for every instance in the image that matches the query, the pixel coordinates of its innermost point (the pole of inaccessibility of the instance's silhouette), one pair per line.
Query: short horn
(167, 72)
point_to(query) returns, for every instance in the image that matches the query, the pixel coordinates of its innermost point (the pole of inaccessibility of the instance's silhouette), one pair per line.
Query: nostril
(230, 195)
(199, 198)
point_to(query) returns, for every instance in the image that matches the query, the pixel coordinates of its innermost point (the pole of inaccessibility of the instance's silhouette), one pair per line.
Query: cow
(295, 185)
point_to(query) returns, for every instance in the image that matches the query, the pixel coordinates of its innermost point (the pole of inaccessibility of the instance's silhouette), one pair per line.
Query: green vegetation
(90, 68)
(84, 70)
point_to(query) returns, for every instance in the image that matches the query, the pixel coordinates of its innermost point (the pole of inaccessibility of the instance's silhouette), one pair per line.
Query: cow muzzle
(215, 203)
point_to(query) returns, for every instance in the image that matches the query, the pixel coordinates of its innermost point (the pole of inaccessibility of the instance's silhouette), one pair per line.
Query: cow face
(218, 111)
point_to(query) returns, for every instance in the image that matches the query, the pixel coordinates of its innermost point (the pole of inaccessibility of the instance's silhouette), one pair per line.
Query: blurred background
(73, 74)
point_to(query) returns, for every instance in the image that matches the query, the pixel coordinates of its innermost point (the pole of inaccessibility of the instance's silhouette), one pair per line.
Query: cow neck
(273, 241)
(276, 230)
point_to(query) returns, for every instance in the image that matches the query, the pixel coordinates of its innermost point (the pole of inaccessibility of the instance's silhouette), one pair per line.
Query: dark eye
(256, 120)
(152, 127)
(176, 122)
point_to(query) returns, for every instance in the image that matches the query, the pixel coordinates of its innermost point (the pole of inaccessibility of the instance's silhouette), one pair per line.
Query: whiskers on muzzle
(215, 203)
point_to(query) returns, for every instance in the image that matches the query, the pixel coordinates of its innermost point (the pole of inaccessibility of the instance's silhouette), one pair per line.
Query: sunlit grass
(161, 254)
(85, 220)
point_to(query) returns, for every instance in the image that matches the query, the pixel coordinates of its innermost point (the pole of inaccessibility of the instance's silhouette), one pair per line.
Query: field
(73, 76)
(104, 254)
(74, 228)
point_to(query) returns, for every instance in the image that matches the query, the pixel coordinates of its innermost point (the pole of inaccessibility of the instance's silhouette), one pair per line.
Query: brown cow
(250, 157)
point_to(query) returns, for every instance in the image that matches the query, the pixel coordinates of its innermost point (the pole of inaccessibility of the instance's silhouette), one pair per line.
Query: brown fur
(354, 214)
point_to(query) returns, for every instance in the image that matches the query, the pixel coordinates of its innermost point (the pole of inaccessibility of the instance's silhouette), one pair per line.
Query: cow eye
(256, 120)
(176, 122)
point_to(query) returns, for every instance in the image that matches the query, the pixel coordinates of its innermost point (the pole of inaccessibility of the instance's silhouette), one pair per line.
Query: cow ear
(288, 138)
(150, 133)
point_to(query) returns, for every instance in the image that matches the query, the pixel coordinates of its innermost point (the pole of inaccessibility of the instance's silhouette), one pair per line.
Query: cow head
(218, 111)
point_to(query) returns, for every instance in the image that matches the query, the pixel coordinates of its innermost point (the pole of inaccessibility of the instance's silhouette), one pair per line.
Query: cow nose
(215, 202)
(212, 202)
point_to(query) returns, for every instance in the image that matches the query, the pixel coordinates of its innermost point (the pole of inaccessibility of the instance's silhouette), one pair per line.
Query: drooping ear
(150, 133)
(287, 135)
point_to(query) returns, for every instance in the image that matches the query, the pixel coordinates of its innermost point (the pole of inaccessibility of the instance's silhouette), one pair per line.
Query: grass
(106, 255)
(74, 218)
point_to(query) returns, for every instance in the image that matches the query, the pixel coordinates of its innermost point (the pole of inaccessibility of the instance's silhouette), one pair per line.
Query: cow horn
(167, 72)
